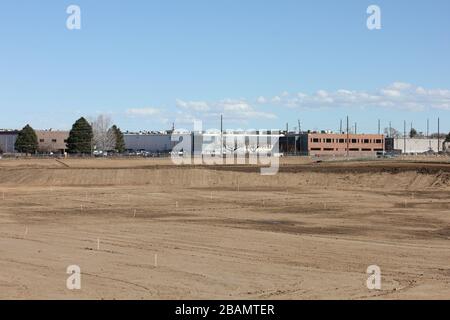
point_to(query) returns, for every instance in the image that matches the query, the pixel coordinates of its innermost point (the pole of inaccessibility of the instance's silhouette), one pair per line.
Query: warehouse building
(150, 142)
(7, 140)
(447, 147)
(239, 142)
(414, 145)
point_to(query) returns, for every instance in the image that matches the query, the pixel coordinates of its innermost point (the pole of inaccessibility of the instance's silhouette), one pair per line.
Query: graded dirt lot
(147, 229)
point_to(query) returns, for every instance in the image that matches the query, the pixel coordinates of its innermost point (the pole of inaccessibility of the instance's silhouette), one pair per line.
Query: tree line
(413, 133)
(84, 137)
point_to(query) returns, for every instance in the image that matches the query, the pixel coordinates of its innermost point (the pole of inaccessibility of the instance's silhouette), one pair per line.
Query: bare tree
(230, 143)
(104, 138)
(392, 132)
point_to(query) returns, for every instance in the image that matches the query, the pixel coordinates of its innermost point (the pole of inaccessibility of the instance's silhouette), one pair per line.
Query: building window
(328, 140)
(366, 150)
(315, 140)
(41, 140)
(54, 140)
(378, 141)
(316, 149)
(341, 140)
(366, 141)
(354, 141)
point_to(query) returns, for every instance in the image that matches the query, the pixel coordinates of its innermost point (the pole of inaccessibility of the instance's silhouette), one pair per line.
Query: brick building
(50, 141)
(333, 144)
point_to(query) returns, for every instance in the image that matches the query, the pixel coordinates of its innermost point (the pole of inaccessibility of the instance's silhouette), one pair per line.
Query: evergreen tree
(80, 137)
(120, 142)
(27, 141)
(447, 138)
(412, 133)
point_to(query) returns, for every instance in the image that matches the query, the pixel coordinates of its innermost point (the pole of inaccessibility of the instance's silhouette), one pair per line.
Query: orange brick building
(337, 144)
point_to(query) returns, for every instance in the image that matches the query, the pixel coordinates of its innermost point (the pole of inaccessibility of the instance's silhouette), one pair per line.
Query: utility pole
(404, 135)
(296, 138)
(348, 141)
(356, 125)
(439, 136)
(379, 128)
(221, 136)
(92, 141)
(340, 127)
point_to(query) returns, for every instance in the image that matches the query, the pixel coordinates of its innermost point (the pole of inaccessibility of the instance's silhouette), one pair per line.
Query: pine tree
(413, 133)
(80, 137)
(120, 142)
(27, 141)
(447, 138)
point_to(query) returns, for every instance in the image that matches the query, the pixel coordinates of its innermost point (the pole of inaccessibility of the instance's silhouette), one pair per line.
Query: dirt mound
(207, 177)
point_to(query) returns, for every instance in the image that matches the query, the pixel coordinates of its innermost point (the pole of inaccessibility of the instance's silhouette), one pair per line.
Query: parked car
(100, 153)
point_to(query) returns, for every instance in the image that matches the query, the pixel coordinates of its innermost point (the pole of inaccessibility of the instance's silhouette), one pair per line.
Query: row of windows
(53, 140)
(351, 149)
(329, 140)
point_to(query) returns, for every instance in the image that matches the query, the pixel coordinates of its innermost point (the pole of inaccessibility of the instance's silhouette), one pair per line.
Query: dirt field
(145, 229)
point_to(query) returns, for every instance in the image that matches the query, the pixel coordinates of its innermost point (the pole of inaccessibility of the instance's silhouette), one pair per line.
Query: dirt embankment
(341, 175)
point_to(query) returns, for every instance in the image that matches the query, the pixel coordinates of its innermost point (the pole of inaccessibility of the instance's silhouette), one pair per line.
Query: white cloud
(143, 111)
(400, 85)
(193, 105)
(234, 105)
(236, 110)
(241, 110)
(391, 93)
(398, 95)
(322, 94)
(261, 99)
(420, 90)
(276, 99)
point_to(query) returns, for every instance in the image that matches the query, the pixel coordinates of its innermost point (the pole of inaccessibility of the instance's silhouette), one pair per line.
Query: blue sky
(260, 63)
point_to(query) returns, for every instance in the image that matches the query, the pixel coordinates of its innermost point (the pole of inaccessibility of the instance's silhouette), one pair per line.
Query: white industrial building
(240, 142)
(418, 145)
(447, 147)
(7, 140)
(150, 142)
(228, 142)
